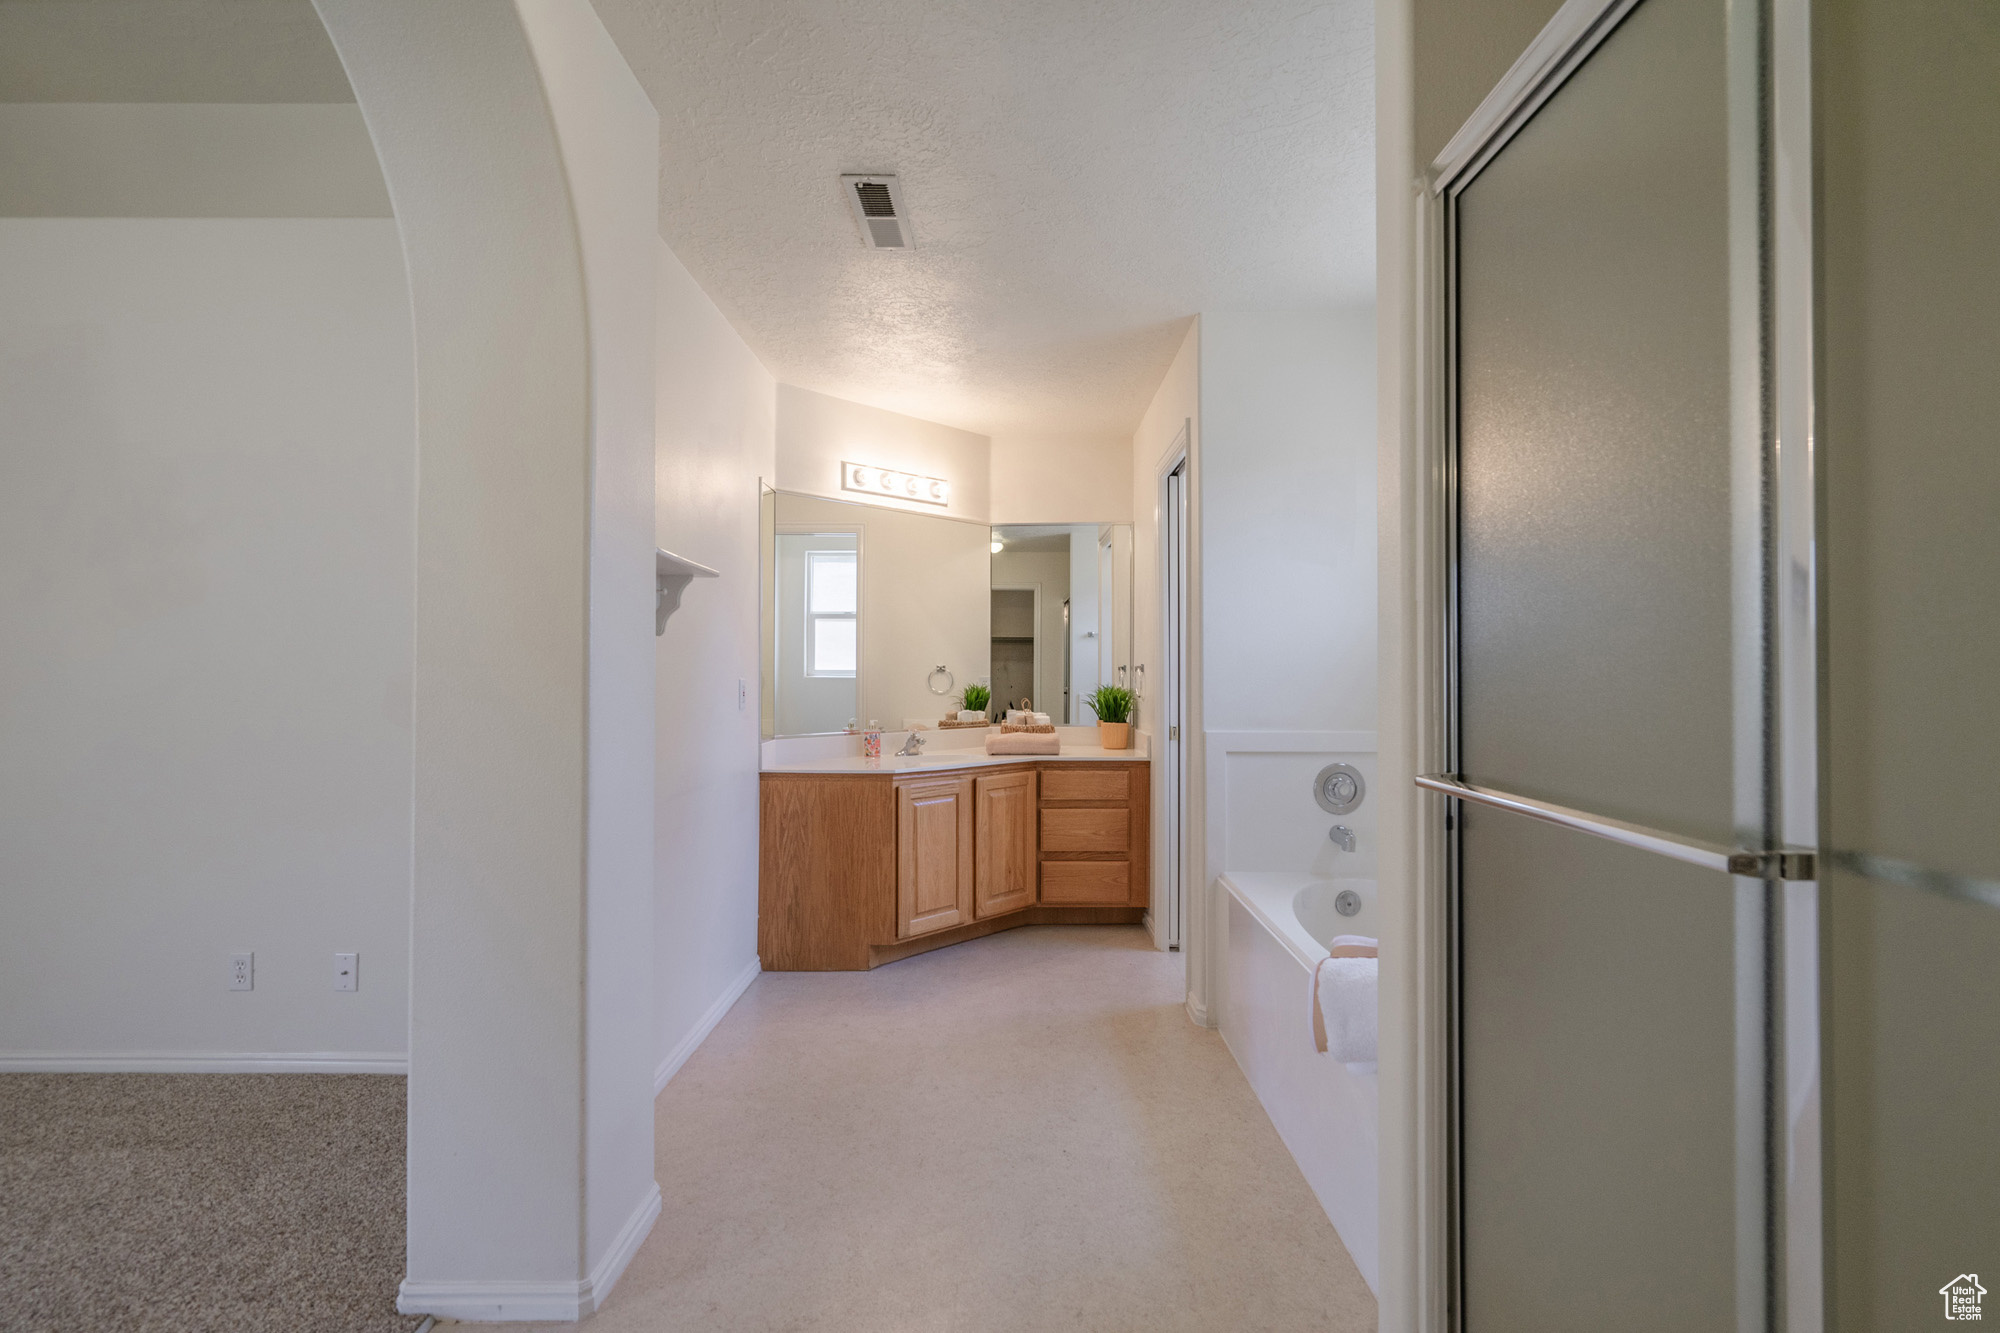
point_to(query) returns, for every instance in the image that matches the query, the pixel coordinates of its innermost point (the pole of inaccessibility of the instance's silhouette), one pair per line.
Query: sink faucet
(914, 745)
(1343, 835)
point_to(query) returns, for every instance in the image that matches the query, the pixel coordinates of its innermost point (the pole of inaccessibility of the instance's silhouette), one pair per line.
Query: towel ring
(950, 682)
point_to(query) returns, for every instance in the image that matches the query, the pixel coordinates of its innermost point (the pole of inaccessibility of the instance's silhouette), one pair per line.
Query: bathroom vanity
(867, 861)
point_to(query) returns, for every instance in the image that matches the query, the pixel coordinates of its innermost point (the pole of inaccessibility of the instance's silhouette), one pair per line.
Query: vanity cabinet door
(1005, 880)
(934, 864)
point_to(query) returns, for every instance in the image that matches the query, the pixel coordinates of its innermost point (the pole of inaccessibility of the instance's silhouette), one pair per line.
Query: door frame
(1175, 606)
(1780, 1212)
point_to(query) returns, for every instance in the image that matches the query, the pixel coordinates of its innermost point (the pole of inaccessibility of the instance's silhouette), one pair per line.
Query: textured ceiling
(167, 51)
(1081, 178)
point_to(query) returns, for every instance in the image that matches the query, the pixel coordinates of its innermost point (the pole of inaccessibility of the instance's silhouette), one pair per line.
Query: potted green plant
(976, 698)
(1113, 706)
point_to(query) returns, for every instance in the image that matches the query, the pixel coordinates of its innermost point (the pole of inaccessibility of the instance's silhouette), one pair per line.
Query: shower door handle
(1786, 864)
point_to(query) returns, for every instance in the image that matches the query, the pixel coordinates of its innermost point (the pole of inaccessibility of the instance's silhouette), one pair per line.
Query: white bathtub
(1326, 1112)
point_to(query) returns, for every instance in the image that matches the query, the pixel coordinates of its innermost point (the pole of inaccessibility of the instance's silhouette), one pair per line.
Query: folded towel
(1343, 1009)
(1023, 742)
(1353, 946)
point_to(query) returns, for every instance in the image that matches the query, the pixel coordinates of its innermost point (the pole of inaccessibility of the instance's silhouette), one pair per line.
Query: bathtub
(1326, 1112)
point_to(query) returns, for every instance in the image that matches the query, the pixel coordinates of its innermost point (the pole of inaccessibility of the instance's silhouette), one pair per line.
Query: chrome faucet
(1343, 835)
(914, 745)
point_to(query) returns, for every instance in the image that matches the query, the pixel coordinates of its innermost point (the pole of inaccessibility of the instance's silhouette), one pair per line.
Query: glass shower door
(1910, 155)
(1614, 768)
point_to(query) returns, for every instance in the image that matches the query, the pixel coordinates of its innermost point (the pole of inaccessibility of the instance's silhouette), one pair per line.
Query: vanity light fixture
(894, 485)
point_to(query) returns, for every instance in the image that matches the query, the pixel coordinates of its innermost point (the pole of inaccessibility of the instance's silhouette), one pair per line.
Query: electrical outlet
(742, 695)
(347, 971)
(242, 971)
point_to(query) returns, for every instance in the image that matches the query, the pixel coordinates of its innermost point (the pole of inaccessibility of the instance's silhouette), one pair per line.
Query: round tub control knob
(1338, 788)
(1347, 902)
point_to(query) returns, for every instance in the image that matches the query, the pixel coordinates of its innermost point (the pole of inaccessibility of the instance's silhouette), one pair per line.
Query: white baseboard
(630, 1237)
(498, 1302)
(493, 1302)
(203, 1062)
(699, 1032)
(1197, 1012)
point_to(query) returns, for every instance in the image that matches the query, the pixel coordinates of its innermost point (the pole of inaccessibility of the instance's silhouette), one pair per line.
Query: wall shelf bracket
(674, 573)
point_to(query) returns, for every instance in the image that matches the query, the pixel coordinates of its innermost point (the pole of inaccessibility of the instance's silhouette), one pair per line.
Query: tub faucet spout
(1342, 835)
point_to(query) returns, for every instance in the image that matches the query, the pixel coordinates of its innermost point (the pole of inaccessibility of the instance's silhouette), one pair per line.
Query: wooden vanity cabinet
(934, 856)
(1005, 843)
(1095, 842)
(859, 869)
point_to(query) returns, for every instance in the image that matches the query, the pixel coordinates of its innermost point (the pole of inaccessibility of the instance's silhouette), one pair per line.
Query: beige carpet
(157, 1203)
(1021, 1133)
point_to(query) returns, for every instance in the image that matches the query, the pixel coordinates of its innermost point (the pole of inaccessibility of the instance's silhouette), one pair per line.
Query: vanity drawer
(1086, 882)
(1078, 783)
(1086, 830)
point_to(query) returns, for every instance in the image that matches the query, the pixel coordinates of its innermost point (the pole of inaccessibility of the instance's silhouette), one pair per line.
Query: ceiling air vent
(877, 204)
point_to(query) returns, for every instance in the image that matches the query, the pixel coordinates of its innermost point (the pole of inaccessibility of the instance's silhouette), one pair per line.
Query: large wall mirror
(874, 614)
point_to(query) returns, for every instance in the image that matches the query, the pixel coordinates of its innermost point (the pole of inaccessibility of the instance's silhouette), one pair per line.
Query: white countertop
(944, 760)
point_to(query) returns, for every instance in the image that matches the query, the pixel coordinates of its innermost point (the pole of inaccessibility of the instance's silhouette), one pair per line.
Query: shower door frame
(1780, 1217)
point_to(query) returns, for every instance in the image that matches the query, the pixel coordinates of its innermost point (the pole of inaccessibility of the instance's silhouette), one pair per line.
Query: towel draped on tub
(1343, 1005)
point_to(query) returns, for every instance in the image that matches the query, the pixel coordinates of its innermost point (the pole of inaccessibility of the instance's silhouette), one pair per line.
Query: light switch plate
(347, 971)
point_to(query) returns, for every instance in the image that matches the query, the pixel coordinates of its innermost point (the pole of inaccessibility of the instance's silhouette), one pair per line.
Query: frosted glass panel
(1598, 1116)
(1595, 559)
(1909, 104)
(1598, 998)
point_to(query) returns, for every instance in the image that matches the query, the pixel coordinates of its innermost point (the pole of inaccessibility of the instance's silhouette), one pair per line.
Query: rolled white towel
(1343, 1009)
(1039, 719)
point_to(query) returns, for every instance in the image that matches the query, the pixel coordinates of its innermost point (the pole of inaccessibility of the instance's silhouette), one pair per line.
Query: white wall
(925, 600)
(1058, 478)
(816, 433)
(1288, 520)
(609, 136)
(188, 160)
(715, 427)
(1288, 583)
(207, 491)
(533, 590)
(1176, 403)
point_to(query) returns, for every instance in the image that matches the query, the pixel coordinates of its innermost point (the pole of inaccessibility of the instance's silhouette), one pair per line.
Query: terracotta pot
(1114, 735)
